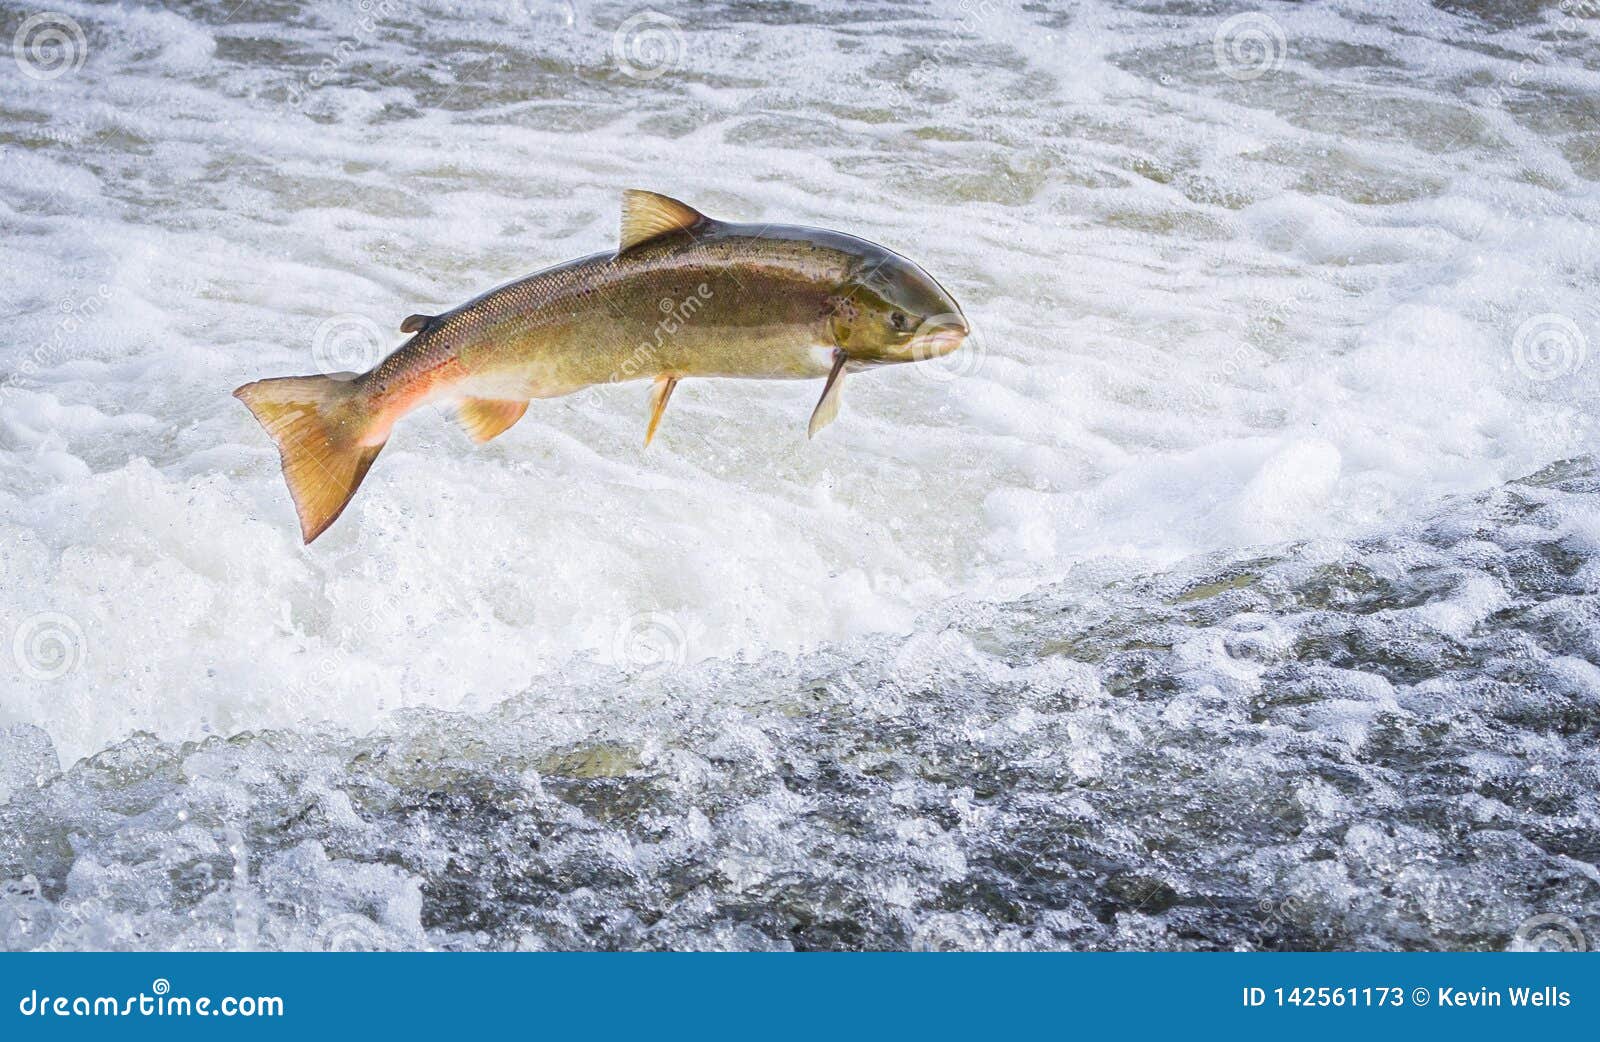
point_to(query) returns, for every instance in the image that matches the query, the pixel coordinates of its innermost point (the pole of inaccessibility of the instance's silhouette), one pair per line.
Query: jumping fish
(683, 296)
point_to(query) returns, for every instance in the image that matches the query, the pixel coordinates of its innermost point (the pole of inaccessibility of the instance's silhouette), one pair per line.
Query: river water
(1236, 586)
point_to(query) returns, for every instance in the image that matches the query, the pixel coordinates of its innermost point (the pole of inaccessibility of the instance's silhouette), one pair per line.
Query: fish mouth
(939, 335)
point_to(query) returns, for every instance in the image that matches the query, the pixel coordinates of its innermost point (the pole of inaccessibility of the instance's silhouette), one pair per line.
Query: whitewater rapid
(1245, 280)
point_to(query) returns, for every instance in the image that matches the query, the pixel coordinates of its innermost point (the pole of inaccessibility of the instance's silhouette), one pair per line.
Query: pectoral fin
(658, 404)
(485, 418)
(828, 405)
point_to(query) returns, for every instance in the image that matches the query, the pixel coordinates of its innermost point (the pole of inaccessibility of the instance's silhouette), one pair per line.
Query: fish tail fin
(326, 436)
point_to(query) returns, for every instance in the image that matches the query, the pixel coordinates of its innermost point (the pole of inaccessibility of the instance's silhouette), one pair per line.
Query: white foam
(1211, 313)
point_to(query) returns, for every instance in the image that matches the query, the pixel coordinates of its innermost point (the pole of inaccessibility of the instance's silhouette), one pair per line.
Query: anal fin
(486, 418)
(660, 392)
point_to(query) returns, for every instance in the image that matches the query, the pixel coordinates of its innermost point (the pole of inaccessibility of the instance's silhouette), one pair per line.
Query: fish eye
(898, 321)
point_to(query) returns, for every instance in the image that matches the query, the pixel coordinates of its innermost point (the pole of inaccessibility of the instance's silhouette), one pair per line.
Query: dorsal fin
(416, 323)
(646, 215)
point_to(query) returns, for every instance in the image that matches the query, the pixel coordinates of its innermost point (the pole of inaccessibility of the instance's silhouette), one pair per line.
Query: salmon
(682, 296)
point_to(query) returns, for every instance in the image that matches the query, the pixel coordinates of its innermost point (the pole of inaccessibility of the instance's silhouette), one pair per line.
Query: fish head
(888, 310)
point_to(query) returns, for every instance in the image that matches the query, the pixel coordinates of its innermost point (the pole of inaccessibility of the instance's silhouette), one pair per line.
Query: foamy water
(1284, 285)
